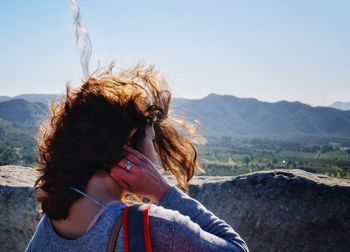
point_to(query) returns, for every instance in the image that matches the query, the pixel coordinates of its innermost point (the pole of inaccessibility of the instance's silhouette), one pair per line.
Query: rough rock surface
(282, 210)
(279, 210)
(18, 209)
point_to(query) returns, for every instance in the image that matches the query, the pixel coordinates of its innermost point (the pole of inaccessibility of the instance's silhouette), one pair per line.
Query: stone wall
(18, 209)
(280, 210)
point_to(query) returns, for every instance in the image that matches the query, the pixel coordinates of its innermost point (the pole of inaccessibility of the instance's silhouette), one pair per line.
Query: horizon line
(199, 98)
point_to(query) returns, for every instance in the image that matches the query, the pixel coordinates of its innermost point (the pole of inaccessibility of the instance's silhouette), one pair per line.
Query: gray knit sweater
(178, 223)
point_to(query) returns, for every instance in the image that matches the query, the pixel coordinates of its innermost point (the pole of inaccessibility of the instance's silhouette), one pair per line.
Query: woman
(100, 148)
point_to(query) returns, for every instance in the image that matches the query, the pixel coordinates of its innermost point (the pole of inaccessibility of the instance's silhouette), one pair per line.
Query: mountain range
(232, 116)
(42, 98)
(219, 115)
(23, 112)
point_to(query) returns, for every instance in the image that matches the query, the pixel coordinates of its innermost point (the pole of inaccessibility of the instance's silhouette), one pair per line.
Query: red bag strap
(125, 229)
(136, 229)
(146, 228)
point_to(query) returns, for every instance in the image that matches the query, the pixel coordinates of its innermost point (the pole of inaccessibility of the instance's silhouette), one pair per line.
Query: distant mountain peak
(229, 115)
(341, 105)
(219, 95)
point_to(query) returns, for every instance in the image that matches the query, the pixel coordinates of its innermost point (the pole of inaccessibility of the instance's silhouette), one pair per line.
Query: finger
(120, 182)
(124, 162)
(126, 176)
(141, 163)
(137, 154)
(132, 157)
(128, 187)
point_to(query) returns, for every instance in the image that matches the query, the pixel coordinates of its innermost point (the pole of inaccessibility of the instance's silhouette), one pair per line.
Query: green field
(226, 157)
(220, 156)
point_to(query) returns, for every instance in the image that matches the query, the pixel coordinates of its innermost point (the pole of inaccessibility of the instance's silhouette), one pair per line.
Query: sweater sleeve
(181, 223)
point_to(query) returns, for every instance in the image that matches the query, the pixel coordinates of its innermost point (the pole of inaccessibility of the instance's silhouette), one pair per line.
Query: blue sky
(270, 50)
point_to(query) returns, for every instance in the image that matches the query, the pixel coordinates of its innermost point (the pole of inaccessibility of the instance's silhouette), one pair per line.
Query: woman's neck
(101, 187)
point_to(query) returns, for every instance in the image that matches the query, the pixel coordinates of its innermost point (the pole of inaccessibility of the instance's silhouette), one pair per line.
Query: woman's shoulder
(93, 239)
(109, 214)
(41, 234)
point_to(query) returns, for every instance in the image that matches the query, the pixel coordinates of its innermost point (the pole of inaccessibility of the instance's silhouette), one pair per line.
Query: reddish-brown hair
(89, 127)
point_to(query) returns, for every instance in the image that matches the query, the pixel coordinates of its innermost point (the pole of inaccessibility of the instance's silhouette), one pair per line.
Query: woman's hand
(142, 179)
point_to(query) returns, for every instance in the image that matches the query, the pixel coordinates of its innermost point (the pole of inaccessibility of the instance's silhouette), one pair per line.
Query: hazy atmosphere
(269, 50)
(251, 153)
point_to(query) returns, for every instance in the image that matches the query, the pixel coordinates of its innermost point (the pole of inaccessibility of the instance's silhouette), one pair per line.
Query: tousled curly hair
(88, 128)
